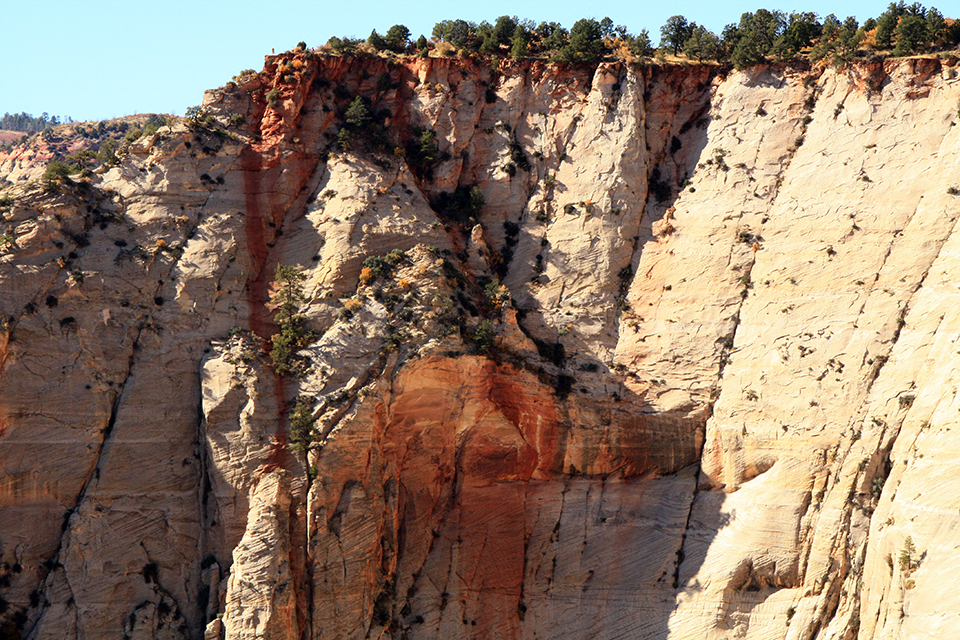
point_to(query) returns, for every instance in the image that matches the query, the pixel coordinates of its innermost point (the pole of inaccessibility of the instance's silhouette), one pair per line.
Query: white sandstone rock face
(688, 372)
(261, 594)
(836, 282)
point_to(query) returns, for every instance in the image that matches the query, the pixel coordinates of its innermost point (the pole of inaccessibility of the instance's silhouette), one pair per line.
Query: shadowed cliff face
(688, 372)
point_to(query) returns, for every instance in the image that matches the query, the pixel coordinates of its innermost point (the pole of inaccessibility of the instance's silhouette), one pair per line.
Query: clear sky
(98, 59)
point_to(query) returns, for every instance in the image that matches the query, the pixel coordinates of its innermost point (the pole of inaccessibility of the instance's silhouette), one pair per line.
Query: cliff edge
(613, 351)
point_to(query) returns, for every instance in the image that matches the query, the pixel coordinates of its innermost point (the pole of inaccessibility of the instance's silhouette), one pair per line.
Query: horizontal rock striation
(688, 372)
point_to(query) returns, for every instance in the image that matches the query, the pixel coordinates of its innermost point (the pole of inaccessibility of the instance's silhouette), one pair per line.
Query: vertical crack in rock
(791, 536)
(277, 187)
(874, 473)
(111, 423)
(206, 514)
(93, 475)
(681, 551)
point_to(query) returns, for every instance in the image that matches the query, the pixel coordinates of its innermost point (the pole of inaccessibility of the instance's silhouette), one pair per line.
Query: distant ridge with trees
(29, 124)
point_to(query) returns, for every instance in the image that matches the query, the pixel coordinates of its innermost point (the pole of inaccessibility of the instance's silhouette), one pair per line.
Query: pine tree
(396, 38)
(520, 48)
(376, 41)
(357, 115)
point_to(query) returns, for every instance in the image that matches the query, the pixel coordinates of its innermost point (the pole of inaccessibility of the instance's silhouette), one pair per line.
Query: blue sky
(100, 59)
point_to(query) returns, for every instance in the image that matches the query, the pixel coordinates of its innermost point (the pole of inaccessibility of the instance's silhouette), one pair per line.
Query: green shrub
(908, 564)
(376, 41)
(462, 206)
(360, 124)
(383, 266)
(197, 117)
(57, 170)
(290, 320)
(483, 337)
(301, 424)
(107, 154)
(80, 162)
(517, 156)
(343, 45)
(153, 124)
(396, 38)
(272, 96)
(495, 296)
(344, 140)
(392, 340)
(422, 152)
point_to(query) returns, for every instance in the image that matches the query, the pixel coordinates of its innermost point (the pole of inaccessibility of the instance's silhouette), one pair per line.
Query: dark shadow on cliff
(593, 552)
(638, 509)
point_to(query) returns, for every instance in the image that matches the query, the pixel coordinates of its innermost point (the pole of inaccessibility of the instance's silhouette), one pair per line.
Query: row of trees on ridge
(29, 124)
(759, 36)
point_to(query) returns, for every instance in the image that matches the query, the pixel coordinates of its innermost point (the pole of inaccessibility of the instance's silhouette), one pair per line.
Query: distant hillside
(26, 123)
(25, 156)
(6, 137)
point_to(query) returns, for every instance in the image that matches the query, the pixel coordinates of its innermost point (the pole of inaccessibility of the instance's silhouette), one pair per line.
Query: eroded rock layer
(688, 372)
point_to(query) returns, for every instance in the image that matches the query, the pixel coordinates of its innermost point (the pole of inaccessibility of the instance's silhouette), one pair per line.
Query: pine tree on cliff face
(802, 31)
(396, 38)
(702, 45)
(504, 30)
(519, 48)
(458, 32)
(585, 45)
(912, 35)
(376, 41)
(357, 115)
(887, 23)
(756, 35)
(640, 44)
(675, 32)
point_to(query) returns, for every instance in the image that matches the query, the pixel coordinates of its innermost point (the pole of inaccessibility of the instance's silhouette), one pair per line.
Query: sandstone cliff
(688, 373)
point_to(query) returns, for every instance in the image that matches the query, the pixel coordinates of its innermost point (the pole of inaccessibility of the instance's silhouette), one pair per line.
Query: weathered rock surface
(688, 373)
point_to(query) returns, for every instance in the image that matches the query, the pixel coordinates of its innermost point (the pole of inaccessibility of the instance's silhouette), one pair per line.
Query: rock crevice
(686, 372)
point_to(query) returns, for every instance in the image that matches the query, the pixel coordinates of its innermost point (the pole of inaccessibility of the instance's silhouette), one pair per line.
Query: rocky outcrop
(687, 372)
(261, 597)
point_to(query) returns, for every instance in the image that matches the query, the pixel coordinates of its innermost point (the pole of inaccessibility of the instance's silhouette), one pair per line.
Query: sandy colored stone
(689, 373)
